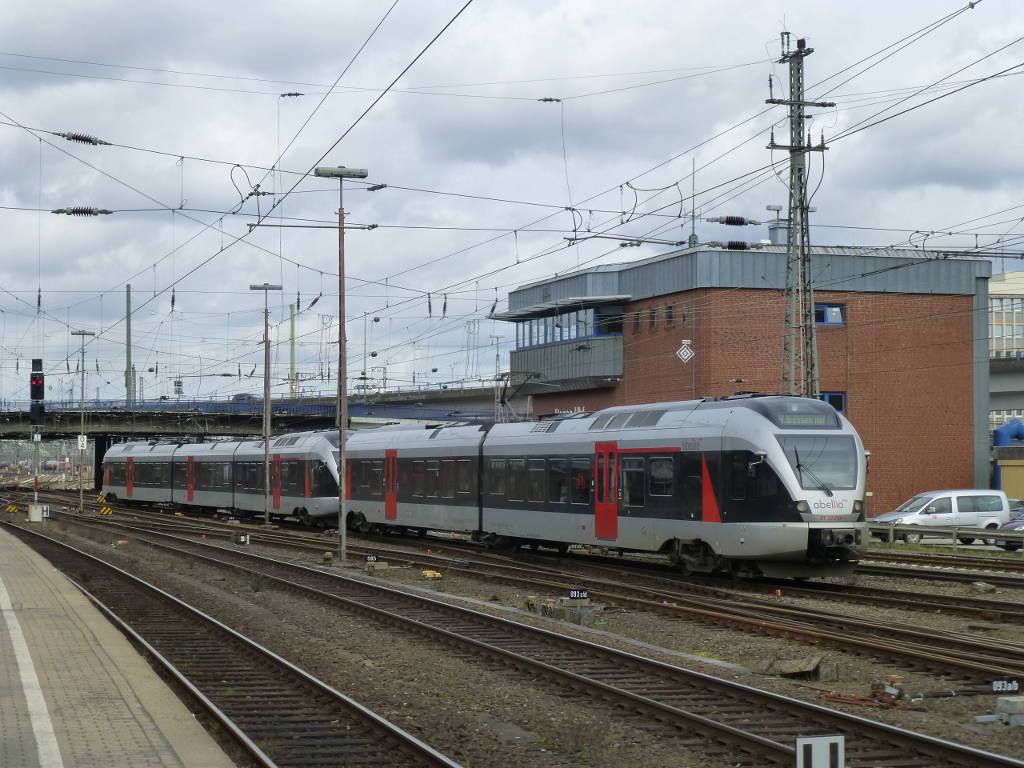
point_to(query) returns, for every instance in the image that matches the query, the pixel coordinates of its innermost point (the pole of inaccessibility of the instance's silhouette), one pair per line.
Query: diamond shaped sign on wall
(685, 352)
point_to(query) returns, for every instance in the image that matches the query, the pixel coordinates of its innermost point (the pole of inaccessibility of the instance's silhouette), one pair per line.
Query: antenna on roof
(692, 242)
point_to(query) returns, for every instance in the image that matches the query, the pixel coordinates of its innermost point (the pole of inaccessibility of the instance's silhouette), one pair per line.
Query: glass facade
(1006, 326)
(567, 326)
(1006, 340)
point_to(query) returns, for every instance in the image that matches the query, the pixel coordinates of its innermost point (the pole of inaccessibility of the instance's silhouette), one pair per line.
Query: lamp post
(81, 434)
(266, 288)
(341, 173)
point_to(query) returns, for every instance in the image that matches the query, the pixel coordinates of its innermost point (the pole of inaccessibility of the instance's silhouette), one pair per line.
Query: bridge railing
(284, 406)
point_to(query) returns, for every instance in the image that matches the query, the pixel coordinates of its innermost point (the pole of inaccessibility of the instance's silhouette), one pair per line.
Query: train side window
(662, 473)
(558, 481)
(536, 490)
(358, 470)
(376, 478)
(691, 500)
(418, 478)
(177, 475)
(448, 479)
(517, 479)
(464, 476)
(738, 474)
(582, 480)
(433, 479)
(291, 477)
(497, 476)
(324, 483)
(633, 482)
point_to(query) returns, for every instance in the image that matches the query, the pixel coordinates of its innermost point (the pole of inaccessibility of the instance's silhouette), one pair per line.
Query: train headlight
(858, 506)
(803, 507)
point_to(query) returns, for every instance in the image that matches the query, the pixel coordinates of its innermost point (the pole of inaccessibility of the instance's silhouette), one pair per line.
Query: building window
(652, 316)
(830, 314)
(836, 399)
(610, 324)
(636, 323)
(669, 314)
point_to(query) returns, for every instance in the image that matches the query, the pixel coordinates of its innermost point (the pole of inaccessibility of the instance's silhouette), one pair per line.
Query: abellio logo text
(830, 504)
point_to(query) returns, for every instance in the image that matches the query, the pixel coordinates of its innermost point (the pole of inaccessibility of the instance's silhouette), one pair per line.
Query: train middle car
(230, 475)
(750, 485)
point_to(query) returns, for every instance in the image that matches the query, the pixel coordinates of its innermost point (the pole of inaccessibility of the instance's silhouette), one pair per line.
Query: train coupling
(841, 537)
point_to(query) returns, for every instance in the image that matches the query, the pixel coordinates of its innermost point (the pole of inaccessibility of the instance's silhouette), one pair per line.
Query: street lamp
(81, 434)
(341, 173)
(266, 287)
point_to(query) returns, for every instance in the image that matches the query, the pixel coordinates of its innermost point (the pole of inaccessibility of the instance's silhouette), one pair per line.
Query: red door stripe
(709, 505)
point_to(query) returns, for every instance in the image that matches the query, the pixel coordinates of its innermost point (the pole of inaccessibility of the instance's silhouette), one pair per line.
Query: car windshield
(822, 463)
(914, 505)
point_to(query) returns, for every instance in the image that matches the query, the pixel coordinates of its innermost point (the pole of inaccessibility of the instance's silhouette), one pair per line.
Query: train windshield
(822, 463)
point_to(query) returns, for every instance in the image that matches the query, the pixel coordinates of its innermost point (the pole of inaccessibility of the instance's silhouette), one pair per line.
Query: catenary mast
(799, 344)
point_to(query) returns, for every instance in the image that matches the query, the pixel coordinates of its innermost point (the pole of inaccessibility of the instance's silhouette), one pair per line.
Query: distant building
(902, 346)
(1006, 347)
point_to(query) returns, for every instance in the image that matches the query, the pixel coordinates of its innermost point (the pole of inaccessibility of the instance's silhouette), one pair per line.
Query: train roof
(152, 449)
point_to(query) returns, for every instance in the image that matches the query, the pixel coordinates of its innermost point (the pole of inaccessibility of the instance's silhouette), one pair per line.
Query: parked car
(958, 508)
(244, 397)
(1016, 523)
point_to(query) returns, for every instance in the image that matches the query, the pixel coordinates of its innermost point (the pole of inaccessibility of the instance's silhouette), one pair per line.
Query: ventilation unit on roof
(545, 426)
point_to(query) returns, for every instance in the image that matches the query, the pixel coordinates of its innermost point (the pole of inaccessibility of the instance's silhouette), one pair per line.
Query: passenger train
(747, 484)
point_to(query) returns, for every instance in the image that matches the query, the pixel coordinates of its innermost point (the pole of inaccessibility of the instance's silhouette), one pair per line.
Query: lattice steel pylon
(799, 343)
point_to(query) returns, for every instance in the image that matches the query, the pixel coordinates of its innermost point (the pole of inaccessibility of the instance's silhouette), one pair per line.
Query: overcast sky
(516, 112)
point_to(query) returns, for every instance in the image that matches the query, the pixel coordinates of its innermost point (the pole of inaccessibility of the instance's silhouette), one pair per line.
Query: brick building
(902, 346)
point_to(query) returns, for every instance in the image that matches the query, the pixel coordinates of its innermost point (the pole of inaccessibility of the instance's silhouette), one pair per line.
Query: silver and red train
(745, 484)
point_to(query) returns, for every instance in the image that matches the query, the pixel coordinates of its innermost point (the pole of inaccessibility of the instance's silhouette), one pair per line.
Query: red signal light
(36, 387)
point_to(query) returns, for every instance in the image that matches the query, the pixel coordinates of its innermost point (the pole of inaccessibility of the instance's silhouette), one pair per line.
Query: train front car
(792, 485)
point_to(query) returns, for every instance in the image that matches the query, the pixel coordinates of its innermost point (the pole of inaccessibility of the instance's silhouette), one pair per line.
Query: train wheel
(304, 518)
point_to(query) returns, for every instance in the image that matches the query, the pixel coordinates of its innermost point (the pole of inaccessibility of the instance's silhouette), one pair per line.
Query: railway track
(972, 562)
(280, 715)
(963, 655)
(753, 726)
(1005, 611)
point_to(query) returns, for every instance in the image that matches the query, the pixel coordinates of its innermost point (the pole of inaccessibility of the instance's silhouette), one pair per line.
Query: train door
(129, 477)
(606, 490)
(390, 484)
(275, 479)
(190, 479)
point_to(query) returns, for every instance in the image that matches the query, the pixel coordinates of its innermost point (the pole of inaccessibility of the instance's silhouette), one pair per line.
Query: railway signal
(36, 387)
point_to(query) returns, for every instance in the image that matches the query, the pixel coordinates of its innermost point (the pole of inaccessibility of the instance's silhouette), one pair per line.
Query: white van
(962, 509)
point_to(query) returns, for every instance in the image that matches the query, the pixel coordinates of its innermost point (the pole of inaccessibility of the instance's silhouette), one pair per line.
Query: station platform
(74, 693)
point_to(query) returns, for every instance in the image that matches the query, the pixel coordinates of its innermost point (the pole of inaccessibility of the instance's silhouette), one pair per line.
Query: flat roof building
(902, 337)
